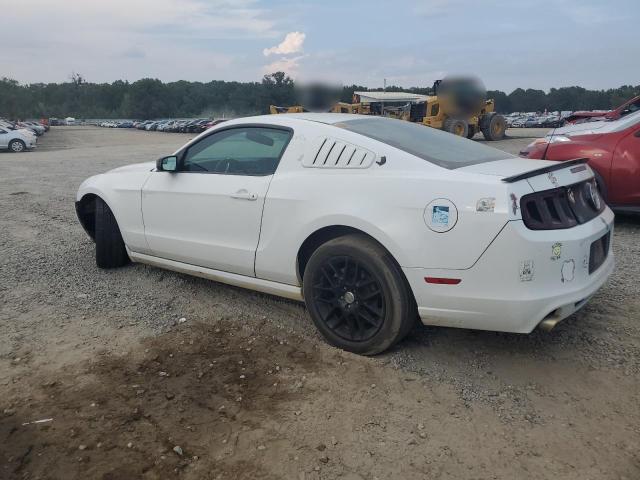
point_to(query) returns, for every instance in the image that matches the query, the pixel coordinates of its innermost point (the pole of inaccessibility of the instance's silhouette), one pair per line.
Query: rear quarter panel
(385, 201)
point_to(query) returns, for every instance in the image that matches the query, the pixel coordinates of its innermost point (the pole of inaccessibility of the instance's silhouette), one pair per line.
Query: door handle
(244, 195)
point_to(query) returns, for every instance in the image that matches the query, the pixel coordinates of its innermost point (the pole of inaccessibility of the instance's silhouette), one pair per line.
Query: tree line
(152, 98)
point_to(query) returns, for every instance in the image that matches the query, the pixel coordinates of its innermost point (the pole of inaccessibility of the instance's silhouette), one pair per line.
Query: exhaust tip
(548, 324)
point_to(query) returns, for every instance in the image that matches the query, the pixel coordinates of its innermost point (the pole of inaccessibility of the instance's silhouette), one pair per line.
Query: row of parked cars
(519, 120)
(21, 135)
(560, 119)
(197, 125)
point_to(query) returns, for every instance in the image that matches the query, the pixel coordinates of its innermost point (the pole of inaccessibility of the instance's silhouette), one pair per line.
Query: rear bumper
(496, 293)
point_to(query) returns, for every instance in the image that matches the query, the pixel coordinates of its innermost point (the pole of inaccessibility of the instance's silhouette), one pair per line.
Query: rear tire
(17, 146)
(110, 249)
(456, 126)
(493, 126)
(357, 295)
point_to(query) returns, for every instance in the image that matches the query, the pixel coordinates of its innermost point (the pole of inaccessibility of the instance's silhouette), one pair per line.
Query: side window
(238, 151)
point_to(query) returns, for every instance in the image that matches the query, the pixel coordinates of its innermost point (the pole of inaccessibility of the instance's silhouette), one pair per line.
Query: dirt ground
(145, 373)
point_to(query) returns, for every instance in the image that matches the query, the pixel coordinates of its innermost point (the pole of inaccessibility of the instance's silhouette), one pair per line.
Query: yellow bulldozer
(456, 106)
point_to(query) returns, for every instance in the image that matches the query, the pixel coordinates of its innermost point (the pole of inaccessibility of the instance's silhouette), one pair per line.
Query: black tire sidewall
(110, 248)
(398, 302)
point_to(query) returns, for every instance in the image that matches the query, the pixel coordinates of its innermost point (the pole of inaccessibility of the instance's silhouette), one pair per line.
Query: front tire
(110, 249)
(17, 146)
(357, 295)
(493, 126)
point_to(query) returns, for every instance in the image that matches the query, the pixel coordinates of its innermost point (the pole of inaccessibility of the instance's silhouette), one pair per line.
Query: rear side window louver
(328, 152)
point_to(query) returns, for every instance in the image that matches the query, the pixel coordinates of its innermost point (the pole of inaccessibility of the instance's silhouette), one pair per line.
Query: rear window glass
(440, 148)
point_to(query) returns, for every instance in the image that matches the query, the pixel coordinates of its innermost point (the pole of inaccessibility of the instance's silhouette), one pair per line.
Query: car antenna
(544, 156)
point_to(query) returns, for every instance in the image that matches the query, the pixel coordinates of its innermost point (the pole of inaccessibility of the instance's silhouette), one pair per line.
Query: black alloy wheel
(350, 300)
(357, 295)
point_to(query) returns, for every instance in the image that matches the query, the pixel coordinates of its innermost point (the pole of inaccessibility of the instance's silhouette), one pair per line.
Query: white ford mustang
(372, 222)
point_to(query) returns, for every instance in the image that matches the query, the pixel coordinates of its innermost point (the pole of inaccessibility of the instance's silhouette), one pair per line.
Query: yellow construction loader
(456, 106)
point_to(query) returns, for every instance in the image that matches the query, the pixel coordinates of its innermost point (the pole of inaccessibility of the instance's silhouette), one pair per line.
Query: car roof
(326, 118)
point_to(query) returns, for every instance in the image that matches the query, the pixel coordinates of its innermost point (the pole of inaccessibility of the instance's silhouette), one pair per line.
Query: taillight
(562, 207)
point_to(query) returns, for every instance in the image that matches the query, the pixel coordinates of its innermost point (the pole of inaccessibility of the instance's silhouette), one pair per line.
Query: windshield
(629, 119)
(440, 148)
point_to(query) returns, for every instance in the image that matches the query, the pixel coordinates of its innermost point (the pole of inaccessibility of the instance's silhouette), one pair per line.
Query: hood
(507, 168)
(601, 126)
(580, 128)
(136, 167)
(589, 113)
(25, 131)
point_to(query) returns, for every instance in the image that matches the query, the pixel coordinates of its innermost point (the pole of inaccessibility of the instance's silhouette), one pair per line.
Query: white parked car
(373, 222)
(16, 140)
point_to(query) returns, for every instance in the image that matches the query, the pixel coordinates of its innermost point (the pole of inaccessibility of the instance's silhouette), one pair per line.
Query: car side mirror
(167, 164)
(637, 134)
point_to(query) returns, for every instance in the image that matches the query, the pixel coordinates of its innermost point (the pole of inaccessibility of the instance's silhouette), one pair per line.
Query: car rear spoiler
(550, 168)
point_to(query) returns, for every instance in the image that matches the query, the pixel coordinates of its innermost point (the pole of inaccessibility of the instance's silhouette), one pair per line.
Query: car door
(208, 212)
(624, 186)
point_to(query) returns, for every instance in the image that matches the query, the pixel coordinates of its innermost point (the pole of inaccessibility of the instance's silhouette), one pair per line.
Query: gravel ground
(106, 356)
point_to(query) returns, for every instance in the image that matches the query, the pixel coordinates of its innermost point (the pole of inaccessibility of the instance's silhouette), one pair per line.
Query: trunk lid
(539, 174)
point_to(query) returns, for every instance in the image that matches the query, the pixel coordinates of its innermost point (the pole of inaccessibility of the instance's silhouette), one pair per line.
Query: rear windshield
(441, 148)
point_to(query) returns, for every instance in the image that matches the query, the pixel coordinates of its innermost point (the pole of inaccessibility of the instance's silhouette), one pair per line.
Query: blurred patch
(463, 95)
(317, 96)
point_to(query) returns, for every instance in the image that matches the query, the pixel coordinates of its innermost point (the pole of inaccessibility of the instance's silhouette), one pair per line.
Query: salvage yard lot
(243, 387)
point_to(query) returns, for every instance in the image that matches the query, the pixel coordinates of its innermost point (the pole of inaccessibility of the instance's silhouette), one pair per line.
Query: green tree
(151, 98)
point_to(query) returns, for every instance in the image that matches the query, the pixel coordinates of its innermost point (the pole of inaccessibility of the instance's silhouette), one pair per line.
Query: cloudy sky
(507, 43)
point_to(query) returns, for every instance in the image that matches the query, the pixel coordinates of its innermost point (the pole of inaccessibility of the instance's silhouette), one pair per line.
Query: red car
(626, 108)
(612, 148)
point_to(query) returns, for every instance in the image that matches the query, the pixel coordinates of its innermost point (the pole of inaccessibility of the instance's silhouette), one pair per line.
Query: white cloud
(290, 66)
(292, 43)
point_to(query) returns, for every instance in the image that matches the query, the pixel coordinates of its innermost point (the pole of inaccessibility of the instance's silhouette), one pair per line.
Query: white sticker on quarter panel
(568, 271)
(526, 271)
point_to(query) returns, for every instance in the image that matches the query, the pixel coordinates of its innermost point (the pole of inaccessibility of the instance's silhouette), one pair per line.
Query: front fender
(122, 193)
